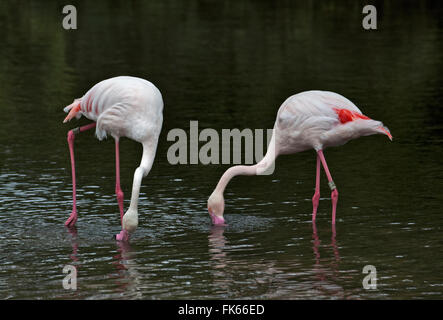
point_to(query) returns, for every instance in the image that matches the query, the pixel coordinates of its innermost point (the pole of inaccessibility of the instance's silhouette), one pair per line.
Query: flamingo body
(316, 120)
(122, 107)
(307, 120)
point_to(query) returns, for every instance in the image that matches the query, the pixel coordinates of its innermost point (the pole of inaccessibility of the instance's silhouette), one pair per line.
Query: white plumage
(308, 120)
(122, 107)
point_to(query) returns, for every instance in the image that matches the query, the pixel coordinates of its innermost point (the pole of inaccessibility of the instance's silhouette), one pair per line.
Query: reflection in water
(217, 241)
(73, 232)
(316, 243)
(326, 275)
(127, 269)
(75, 261)
(217, 244)
(227, 66)
(256, 276)
(126, 275)
(274, 278)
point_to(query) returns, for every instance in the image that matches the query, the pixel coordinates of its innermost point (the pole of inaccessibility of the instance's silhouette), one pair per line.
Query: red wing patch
(345, 115)
(88, 104)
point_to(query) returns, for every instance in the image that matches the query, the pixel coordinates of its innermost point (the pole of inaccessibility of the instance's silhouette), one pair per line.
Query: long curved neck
(256, 169)
(231, 173)
(142, 171)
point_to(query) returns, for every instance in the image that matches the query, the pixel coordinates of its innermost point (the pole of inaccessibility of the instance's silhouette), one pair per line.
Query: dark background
(227, 64)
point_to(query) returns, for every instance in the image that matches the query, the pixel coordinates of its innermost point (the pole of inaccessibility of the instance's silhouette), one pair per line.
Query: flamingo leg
(71, 137)
(316, 197)
(334, 193)
(118, 189)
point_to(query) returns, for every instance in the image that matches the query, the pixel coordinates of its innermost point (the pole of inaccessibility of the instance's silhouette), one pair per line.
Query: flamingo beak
(385, 130)
(216, 220)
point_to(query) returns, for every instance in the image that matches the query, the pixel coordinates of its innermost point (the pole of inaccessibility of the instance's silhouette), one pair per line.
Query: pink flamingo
(308, 120)
(122, 107)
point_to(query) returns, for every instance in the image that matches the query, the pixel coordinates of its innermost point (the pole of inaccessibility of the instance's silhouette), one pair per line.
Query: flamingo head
(369, 126)
(361, 124)
(216, 207)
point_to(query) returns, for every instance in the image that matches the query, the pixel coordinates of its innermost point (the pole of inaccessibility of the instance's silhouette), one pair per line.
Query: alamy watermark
(369, 22)
(217, 149)
(70, 280)
(70, 20)
(370, 281)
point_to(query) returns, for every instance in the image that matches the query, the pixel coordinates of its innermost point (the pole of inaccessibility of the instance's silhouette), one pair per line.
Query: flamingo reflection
(282, 278)
(127, 276)
(326, 274)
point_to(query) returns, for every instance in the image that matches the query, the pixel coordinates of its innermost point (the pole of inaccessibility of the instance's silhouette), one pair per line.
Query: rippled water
(227, 65)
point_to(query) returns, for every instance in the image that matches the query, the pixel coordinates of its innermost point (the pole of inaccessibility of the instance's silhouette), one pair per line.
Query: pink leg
(118, 190)
(334, 193)
(71, 137)
(316, 197)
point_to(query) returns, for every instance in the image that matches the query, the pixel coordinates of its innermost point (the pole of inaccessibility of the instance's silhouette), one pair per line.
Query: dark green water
(227, 65)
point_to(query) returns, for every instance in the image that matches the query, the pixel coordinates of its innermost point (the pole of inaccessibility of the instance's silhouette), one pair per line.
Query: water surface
(227, 65)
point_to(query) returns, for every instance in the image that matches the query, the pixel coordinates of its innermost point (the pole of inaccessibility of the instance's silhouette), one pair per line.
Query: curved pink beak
(385, 131)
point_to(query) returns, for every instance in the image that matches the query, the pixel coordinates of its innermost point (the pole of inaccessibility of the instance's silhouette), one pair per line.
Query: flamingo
(307, 120)
(122, 107)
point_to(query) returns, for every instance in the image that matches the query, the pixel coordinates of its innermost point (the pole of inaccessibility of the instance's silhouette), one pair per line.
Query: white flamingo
(122, 107)
(308, 120)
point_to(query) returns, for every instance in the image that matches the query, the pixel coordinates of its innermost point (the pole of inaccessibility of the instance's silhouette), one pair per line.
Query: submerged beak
(216, 220)
(385, 131)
